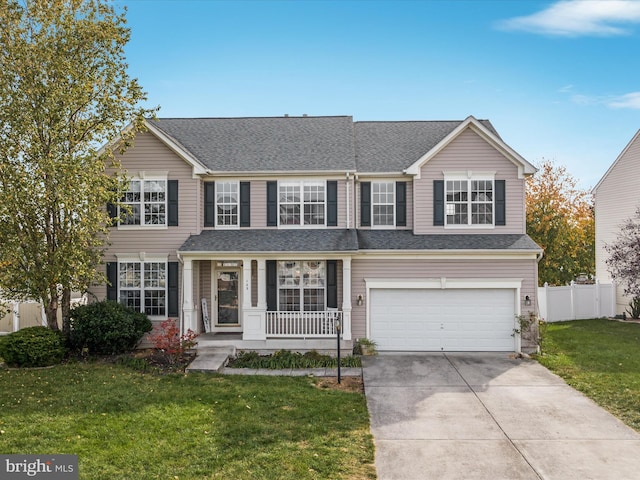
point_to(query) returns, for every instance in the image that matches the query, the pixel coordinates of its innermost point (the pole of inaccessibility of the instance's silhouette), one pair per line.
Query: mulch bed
(347, 384)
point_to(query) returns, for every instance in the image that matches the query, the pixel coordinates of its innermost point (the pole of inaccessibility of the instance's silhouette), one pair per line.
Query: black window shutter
(332, 203)
(272, 204)
(501, 211)
(209, 204)
(365, 204)
(245, 204)
(172, 290)
(438, 202)
(332, 284)
(112, 281)
(272, 286)
(401, 204)
(112, 210)
(172, 203)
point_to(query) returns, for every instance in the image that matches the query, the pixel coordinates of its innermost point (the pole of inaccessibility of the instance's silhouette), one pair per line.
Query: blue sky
(559, 80)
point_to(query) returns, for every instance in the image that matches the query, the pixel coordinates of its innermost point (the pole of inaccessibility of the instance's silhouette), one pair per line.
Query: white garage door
(442, 320)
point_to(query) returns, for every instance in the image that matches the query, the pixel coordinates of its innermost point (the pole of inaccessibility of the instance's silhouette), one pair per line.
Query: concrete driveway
(489, 416)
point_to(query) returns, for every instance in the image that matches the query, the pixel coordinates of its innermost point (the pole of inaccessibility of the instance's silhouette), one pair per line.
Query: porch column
(188, 316)
(262, 284)
(254, 327)
(346, 298)
(246, 280)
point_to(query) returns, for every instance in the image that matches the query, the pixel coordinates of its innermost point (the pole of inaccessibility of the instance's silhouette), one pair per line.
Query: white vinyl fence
(576, 302)
(29, 314)
(21, 315)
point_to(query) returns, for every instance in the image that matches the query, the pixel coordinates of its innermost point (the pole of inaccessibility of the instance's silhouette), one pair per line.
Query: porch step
(211, 359)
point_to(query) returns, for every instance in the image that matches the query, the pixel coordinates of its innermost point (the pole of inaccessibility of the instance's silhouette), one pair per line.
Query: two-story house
(616, 198)
(411, 234)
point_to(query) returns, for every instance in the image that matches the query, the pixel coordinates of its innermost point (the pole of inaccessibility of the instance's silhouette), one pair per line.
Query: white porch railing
(302, 324)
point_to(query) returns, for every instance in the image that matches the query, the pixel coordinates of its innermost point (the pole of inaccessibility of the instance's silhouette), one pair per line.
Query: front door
(228, 301)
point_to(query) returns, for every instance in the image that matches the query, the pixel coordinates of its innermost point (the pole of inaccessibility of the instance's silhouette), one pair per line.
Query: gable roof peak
(488, 133)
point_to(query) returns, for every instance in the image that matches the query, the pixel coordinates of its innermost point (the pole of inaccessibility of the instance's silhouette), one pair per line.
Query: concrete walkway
(488, 416)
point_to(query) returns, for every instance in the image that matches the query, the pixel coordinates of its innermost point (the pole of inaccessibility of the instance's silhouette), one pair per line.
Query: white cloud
(573, 18)
(583, 99)
(630, 100)
(627, 101)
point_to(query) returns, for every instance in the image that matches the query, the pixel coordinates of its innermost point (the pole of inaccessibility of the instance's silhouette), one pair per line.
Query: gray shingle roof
(266, 240)
(406, 240)
(394, 146)
(277, 144)
(265, 143)
(340, 240)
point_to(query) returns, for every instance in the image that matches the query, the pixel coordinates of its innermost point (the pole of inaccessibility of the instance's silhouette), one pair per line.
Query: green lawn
(128, 425)
(601, 358)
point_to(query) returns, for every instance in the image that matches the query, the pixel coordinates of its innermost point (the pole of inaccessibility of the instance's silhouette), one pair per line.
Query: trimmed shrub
(33, 347)
(107, 328)
(285, 359)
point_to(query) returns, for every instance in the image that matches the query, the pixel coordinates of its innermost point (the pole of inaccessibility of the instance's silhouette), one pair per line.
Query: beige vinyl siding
(616, 199)
(342, 204)
(204, 291)
(469, 152)
(259, 204)
(150, 155)
(422, 268)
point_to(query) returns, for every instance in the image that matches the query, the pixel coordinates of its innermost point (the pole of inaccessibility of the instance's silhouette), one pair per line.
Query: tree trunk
(51, 311)
(66, 309)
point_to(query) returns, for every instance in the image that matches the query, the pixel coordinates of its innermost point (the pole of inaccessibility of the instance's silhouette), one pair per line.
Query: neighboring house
(409, 233)
(616, 199)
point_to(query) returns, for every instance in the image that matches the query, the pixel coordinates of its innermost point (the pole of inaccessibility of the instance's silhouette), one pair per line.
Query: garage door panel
(442, 320)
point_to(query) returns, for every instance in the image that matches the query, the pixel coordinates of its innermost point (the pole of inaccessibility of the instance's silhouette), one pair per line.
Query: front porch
(267, 304)
(235, 342)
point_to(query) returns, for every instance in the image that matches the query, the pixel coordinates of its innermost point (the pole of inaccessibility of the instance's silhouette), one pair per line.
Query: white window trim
(468, 176)
(301, 288)
(217, 225)
(142, 258)
(301, 184)
(142, 177)
(393, 224)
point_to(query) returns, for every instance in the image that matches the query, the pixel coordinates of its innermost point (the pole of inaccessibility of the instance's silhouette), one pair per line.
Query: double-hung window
(469, 201)
(227, 204)
(146, 203)
(302, 203)
(383, 203)
(301, 286)
(142, 286)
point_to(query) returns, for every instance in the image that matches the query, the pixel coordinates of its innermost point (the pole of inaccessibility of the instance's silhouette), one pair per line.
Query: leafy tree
(560, 219)
(624, 256)
(64, 92)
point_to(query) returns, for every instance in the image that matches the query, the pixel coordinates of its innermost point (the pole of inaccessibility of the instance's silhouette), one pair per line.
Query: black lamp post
(338, 340)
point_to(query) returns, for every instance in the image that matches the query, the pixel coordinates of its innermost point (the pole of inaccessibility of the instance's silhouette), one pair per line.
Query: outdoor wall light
(360, 300)
(527, 301)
